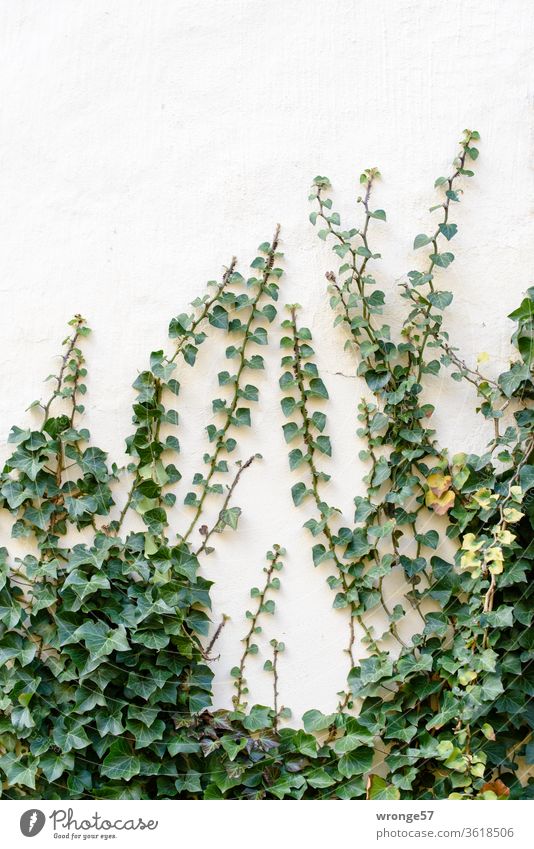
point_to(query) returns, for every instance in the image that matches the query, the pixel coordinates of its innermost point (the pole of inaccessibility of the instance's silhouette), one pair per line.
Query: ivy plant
(106, 641)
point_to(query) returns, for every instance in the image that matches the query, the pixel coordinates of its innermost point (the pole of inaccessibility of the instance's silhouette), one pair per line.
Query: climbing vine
(106, 644)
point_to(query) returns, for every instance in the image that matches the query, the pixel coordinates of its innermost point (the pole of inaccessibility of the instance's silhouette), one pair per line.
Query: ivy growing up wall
(107, 646)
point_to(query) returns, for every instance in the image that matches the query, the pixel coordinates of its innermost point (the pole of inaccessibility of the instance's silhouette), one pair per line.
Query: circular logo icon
(32, 822)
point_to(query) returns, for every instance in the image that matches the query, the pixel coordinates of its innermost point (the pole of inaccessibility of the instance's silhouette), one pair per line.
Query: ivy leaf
(230, 517)
(320, 779)
(421, 240)
(121, 763)
(356, 762)
(442, 260)
(503, 617)
(348, 743)
(99, 639)
(379, 214)
(218, 317)
(232, 747)
(17, 771)
(298, 493)
(510, 381)
(430, 539)
(526, 477)
(373, 669)
(379, 790)
(317, 388)
(27, 462)
(70, 734)
(314, 720)
(55, 764)
(376, 380)
(93, 461)
(440, 300)
(448, 230)
(258, 718)
(242, 417)
(15, 647)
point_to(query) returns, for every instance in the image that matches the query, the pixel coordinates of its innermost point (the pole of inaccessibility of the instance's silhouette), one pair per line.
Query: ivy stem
(247, 639)
(79, 322)
(196, 323)
(315, 478)
(434, 240)
(231, 489)
(275, 687)
(206, 308)
(207, 651)
(235, 398)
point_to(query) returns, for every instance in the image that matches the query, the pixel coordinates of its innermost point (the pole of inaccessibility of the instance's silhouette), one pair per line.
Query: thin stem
(235, 398)
(64, 360)
(247, 639)
(207, 651)
(315, 478)
(231, 489)
(275, 687)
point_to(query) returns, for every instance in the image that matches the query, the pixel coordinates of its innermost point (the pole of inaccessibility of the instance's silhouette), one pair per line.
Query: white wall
(142, 143)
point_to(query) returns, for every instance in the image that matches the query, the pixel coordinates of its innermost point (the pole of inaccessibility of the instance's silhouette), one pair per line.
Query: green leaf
(320, 779)
(55, 764)
(442, 260)
(440, 300)
(232, 747)
(258, 718)
(99, 639)
(218, 317)
(526, 477)
(314, 720)
(242, 417)
(356, 762)
(379, 790)
(510, 381)
(503, 617)
(18, 771)
(120, 764)
(230, 517)
(318, 389)
(448, 230)
(348, 743)
(15, 647)
(324, 445)
(298, 493)
(70, 734)
(525, 312)
(430, 539)
(295, 458)
(376, 380)
(378, 213)
(421, 240)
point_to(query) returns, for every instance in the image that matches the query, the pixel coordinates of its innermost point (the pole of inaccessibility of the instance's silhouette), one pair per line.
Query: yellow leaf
(505, 537)
(512, 515)
(484, 498)
(440, 504)
(465, 676)
(471, 543)
(494, 557)
(470, 563)
(439, 483)
(517, 493)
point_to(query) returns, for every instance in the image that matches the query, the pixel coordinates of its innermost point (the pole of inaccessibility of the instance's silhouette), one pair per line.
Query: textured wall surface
(143, 143)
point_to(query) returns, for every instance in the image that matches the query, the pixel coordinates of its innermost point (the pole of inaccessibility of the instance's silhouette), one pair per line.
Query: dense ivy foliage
(105, 640)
